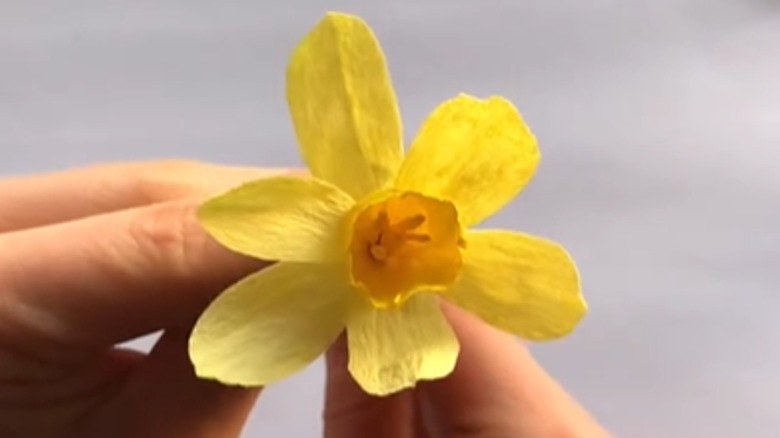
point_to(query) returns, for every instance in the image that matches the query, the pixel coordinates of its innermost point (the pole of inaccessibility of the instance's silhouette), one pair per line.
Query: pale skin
(93, 257)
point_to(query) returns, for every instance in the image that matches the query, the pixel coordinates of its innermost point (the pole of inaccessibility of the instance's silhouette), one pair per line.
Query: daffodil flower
(374, 239)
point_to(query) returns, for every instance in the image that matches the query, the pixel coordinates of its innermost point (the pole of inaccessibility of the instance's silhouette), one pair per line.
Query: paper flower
(374, 239)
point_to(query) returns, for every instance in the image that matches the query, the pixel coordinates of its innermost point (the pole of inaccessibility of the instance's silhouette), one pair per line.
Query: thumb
(498, 390)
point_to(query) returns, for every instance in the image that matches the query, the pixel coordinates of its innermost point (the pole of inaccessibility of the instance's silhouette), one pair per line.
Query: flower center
(404, 244)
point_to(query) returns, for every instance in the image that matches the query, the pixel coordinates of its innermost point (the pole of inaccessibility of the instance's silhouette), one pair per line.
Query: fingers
(42, 406)
(164, 398)
(33, 201)
(109, 278)
(497, 389)
(350, 412)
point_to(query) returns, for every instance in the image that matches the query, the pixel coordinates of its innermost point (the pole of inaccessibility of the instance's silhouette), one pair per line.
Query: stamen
(390, 237)
(383, 220)
(417, 237)
(410, 223)
(378, 252)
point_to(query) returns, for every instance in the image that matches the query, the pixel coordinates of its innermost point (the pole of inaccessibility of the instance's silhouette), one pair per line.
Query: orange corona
(404, 244)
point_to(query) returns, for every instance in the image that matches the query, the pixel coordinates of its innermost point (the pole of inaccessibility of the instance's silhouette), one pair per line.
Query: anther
(411, 222)
(417, 237)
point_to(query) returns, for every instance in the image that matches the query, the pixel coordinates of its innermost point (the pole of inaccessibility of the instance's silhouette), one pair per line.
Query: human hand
(497, 390)
(93, 257)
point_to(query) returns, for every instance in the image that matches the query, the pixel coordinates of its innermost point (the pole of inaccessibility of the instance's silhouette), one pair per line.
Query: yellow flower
(373, 240)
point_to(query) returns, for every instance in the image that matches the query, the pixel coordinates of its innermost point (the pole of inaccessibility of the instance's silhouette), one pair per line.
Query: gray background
(659, 123)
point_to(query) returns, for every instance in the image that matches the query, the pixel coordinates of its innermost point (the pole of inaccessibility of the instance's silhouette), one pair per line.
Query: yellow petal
(478, 154)
(343, 106)
(269, 325)
(392, 349)
(281, 218)
(522, 284)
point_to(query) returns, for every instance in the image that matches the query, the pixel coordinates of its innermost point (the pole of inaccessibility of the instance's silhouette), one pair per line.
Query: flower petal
(269, 325)
(478, 154)
(522, 284)
(343, 106)
(392, 349)
(281, 218)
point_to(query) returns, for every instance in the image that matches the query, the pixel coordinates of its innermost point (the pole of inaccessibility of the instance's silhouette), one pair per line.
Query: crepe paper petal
(343, 106)
(393, 349)
(478, 154)
(522, 284)
(269, 325)
(282, 218)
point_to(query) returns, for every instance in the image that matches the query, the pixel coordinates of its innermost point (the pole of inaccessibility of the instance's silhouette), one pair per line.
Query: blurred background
(659, 124)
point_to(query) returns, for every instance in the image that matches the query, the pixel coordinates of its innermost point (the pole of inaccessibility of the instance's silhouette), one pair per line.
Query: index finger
(38, 200)
(106, 279)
